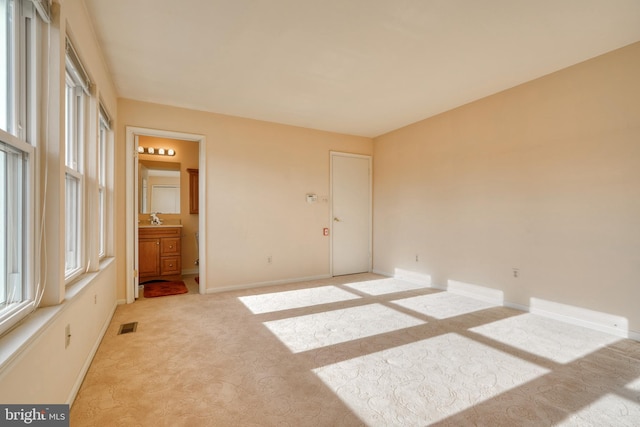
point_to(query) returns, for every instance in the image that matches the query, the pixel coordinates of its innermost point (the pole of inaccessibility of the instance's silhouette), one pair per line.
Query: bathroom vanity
(159, 253)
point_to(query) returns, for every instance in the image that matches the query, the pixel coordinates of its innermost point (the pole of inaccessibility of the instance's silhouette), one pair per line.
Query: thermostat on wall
(312, 198)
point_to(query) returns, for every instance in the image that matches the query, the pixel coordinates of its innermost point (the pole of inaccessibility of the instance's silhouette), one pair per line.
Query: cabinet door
(149, 257)
(170, 266)
(170, 246)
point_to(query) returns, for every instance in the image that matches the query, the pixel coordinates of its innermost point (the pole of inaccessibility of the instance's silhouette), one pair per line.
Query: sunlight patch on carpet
(287, 300)
(313, 331)
(554, 340)
(384, 286)
(442, 305)
(634, 385)
(609, 410)
(426, 381)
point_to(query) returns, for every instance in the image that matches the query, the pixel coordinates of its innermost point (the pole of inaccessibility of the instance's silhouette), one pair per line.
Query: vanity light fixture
(157, 151)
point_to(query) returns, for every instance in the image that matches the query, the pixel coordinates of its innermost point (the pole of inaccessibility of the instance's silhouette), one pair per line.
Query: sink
(165, 223)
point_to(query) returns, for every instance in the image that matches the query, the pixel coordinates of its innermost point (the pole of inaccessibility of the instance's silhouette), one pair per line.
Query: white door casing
(350, 213)
(134, 219)
(131, 204)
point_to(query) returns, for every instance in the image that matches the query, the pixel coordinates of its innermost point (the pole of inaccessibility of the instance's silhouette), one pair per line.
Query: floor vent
(126, 328)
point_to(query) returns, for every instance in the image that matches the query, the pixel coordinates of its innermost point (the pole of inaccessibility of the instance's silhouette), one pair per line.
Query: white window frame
(75, 137)
(20, 68)
(104, 148)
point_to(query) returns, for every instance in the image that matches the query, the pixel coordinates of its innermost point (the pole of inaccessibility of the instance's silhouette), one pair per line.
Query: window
(7, 59)
(74, 178)
(103, 136)
(19, 30)
(76, 95)
(14, 164)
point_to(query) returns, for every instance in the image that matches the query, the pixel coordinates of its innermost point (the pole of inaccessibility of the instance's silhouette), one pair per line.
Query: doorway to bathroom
(157, 156)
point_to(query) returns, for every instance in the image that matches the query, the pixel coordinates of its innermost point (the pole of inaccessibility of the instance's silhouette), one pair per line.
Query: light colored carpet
(349, 351)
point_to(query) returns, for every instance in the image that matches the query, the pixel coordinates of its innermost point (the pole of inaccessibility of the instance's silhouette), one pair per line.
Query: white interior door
(351, 213)
(136, 209)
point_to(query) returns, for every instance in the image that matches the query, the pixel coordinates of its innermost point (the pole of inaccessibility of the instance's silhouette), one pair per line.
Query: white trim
(413, 277)
(263, 284)
(131, 226)
(594, 320)
(382, 273)
(333, 154)
(190, 271)
(44, 9)
(515, 306)
(482, 293)
(599, 321)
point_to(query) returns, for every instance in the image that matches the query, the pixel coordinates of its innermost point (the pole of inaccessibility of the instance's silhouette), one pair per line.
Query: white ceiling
(361, 67)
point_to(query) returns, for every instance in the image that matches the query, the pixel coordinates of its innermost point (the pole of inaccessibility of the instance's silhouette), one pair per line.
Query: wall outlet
(417, 258)
(95, 299)
(269, 259)
(516, 273)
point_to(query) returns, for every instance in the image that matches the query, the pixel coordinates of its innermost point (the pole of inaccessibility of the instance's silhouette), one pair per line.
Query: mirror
(159, 187)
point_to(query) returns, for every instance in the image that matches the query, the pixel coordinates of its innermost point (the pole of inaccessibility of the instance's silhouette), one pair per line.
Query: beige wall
(257, 176)
(544, 177)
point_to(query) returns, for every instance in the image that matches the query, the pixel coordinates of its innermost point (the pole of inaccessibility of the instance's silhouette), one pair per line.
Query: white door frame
(131, 203)
(332, 154)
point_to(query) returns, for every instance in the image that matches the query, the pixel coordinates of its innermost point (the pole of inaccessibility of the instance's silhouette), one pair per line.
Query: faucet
(154, 218)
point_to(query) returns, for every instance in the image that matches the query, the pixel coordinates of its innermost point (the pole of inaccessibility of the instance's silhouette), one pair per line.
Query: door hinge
(135, 273)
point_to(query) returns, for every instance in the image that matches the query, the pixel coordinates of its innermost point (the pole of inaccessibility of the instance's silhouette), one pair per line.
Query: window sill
(14, 342)
(76, 287)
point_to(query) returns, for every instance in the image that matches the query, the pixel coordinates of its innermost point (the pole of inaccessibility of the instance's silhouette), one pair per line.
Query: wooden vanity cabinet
(159, 253)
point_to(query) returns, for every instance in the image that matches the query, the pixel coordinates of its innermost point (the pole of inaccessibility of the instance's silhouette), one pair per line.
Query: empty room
(336, 213)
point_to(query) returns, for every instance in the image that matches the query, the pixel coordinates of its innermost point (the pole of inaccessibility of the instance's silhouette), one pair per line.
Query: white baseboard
(190, 271)
(603, 322)
(482, 293)
(90, 356)
(438, 286)
(595, 320)
(413, 277)
(518, 307)
(382, 273)
(263, 284)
